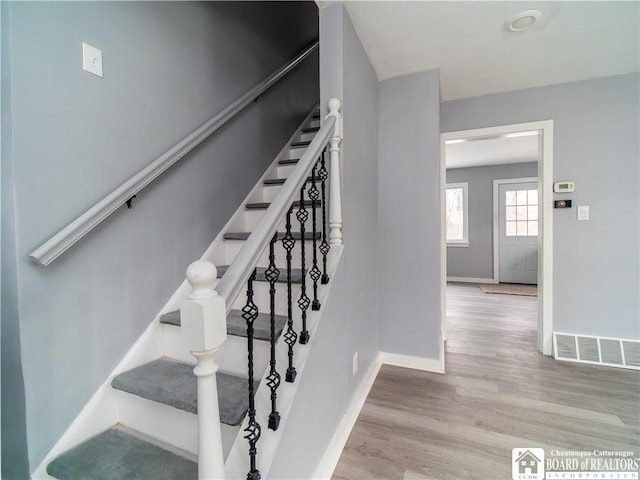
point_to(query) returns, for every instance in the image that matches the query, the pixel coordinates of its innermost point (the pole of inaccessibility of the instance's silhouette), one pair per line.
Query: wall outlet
(355, 363)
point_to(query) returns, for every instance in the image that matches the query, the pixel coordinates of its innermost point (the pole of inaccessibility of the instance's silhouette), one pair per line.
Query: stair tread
(296, 274)
(288, 161)
(279, 181)
(310, 129)
(245, 235)
(173, 383)
(236, 325)
(265, 205)
(303, 143)
(115, 454)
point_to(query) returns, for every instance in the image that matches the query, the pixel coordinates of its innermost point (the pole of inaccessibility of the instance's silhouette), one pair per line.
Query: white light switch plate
(583, 212)
(91, 59)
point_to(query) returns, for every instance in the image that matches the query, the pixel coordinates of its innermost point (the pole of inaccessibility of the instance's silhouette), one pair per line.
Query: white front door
(518, 232)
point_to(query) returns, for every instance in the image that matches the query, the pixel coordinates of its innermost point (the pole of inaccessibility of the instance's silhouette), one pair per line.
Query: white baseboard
(332, 455)
(435, 365)
(470, 280)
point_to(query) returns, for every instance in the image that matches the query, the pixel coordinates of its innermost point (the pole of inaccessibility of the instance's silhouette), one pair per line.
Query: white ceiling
(491, 151)
(477, 55)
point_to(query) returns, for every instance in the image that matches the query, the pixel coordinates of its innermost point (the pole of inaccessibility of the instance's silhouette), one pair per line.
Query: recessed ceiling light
(455, 140)
(523, 20)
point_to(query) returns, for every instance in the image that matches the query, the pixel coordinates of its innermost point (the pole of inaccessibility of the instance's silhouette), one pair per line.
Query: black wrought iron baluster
(315, 272)
(290, 336)
(250, 313)
(273, 379)
(324, 245)
(303, 302)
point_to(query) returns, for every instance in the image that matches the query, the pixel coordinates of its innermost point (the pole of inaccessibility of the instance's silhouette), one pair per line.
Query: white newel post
(204, 330)
(335, 188)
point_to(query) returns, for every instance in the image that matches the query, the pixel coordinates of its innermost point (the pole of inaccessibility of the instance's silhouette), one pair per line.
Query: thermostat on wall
(564, 187)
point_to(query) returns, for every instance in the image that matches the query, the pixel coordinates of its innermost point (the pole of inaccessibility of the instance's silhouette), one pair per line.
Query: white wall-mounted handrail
(234, 279)
(78, 228)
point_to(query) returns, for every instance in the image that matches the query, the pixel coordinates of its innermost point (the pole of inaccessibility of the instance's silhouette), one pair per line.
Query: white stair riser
(177, 428)
(306, 137)
(252, 217)
(295, 152)
(270, 192)
(314, 123)
(232, 356)
(261, 297)
(285, 170)
(233, 247)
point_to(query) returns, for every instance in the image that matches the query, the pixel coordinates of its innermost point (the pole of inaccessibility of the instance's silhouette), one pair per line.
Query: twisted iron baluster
(303, 302)
(290, 336)
(315, 272)
(273, 379)
(250, 313)
(324, 246)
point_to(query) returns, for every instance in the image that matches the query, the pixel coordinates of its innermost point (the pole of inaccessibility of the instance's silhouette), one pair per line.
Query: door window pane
(521, 219)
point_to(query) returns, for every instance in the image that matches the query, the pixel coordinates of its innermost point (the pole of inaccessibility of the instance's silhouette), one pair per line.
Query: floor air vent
(613, 352)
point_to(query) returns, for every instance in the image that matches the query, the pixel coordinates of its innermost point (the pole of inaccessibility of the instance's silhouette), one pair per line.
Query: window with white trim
(457, 214)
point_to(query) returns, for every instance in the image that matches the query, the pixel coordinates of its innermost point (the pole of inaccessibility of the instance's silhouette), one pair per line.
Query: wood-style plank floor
(498, 393)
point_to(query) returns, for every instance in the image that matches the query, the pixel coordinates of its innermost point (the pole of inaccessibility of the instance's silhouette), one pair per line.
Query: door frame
(496, 221)
(545, 240)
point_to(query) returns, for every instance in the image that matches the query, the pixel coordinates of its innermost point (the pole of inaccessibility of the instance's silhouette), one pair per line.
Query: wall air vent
(612, 352)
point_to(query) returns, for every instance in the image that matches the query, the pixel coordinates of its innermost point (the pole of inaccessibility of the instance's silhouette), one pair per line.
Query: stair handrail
(234, 279)
(87, 221)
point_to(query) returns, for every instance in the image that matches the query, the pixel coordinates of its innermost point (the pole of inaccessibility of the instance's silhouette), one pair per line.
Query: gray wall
(595, 144)
(14, 436)
(476, 261)
(349, 323)
(409, 215)
(168, 67)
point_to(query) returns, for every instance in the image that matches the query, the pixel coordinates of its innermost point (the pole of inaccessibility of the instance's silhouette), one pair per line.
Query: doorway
(545, 222)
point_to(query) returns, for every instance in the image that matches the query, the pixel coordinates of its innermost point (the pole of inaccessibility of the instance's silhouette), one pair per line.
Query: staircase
(156, 435)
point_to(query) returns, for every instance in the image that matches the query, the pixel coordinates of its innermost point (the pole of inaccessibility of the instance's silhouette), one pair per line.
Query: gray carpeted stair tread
(173, 383)
(270, 182)
(265, 205)
(290, 161)
(296, 235)
(296, 274)
(237, 326)
(171, 318)
(115, 455)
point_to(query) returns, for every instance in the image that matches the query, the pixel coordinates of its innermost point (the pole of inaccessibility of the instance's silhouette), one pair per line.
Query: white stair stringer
(237, 461)
(109, 406)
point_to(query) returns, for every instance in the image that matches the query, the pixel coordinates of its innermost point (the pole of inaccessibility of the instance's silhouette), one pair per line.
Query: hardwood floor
(498, 393)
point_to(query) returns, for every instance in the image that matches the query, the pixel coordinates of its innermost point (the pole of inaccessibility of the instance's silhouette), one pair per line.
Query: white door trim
(496, 221)
(545, 252)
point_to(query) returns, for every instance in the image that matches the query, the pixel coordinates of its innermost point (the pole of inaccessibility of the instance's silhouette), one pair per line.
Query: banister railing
(204, 312)
(238, 272)
(78, 228)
